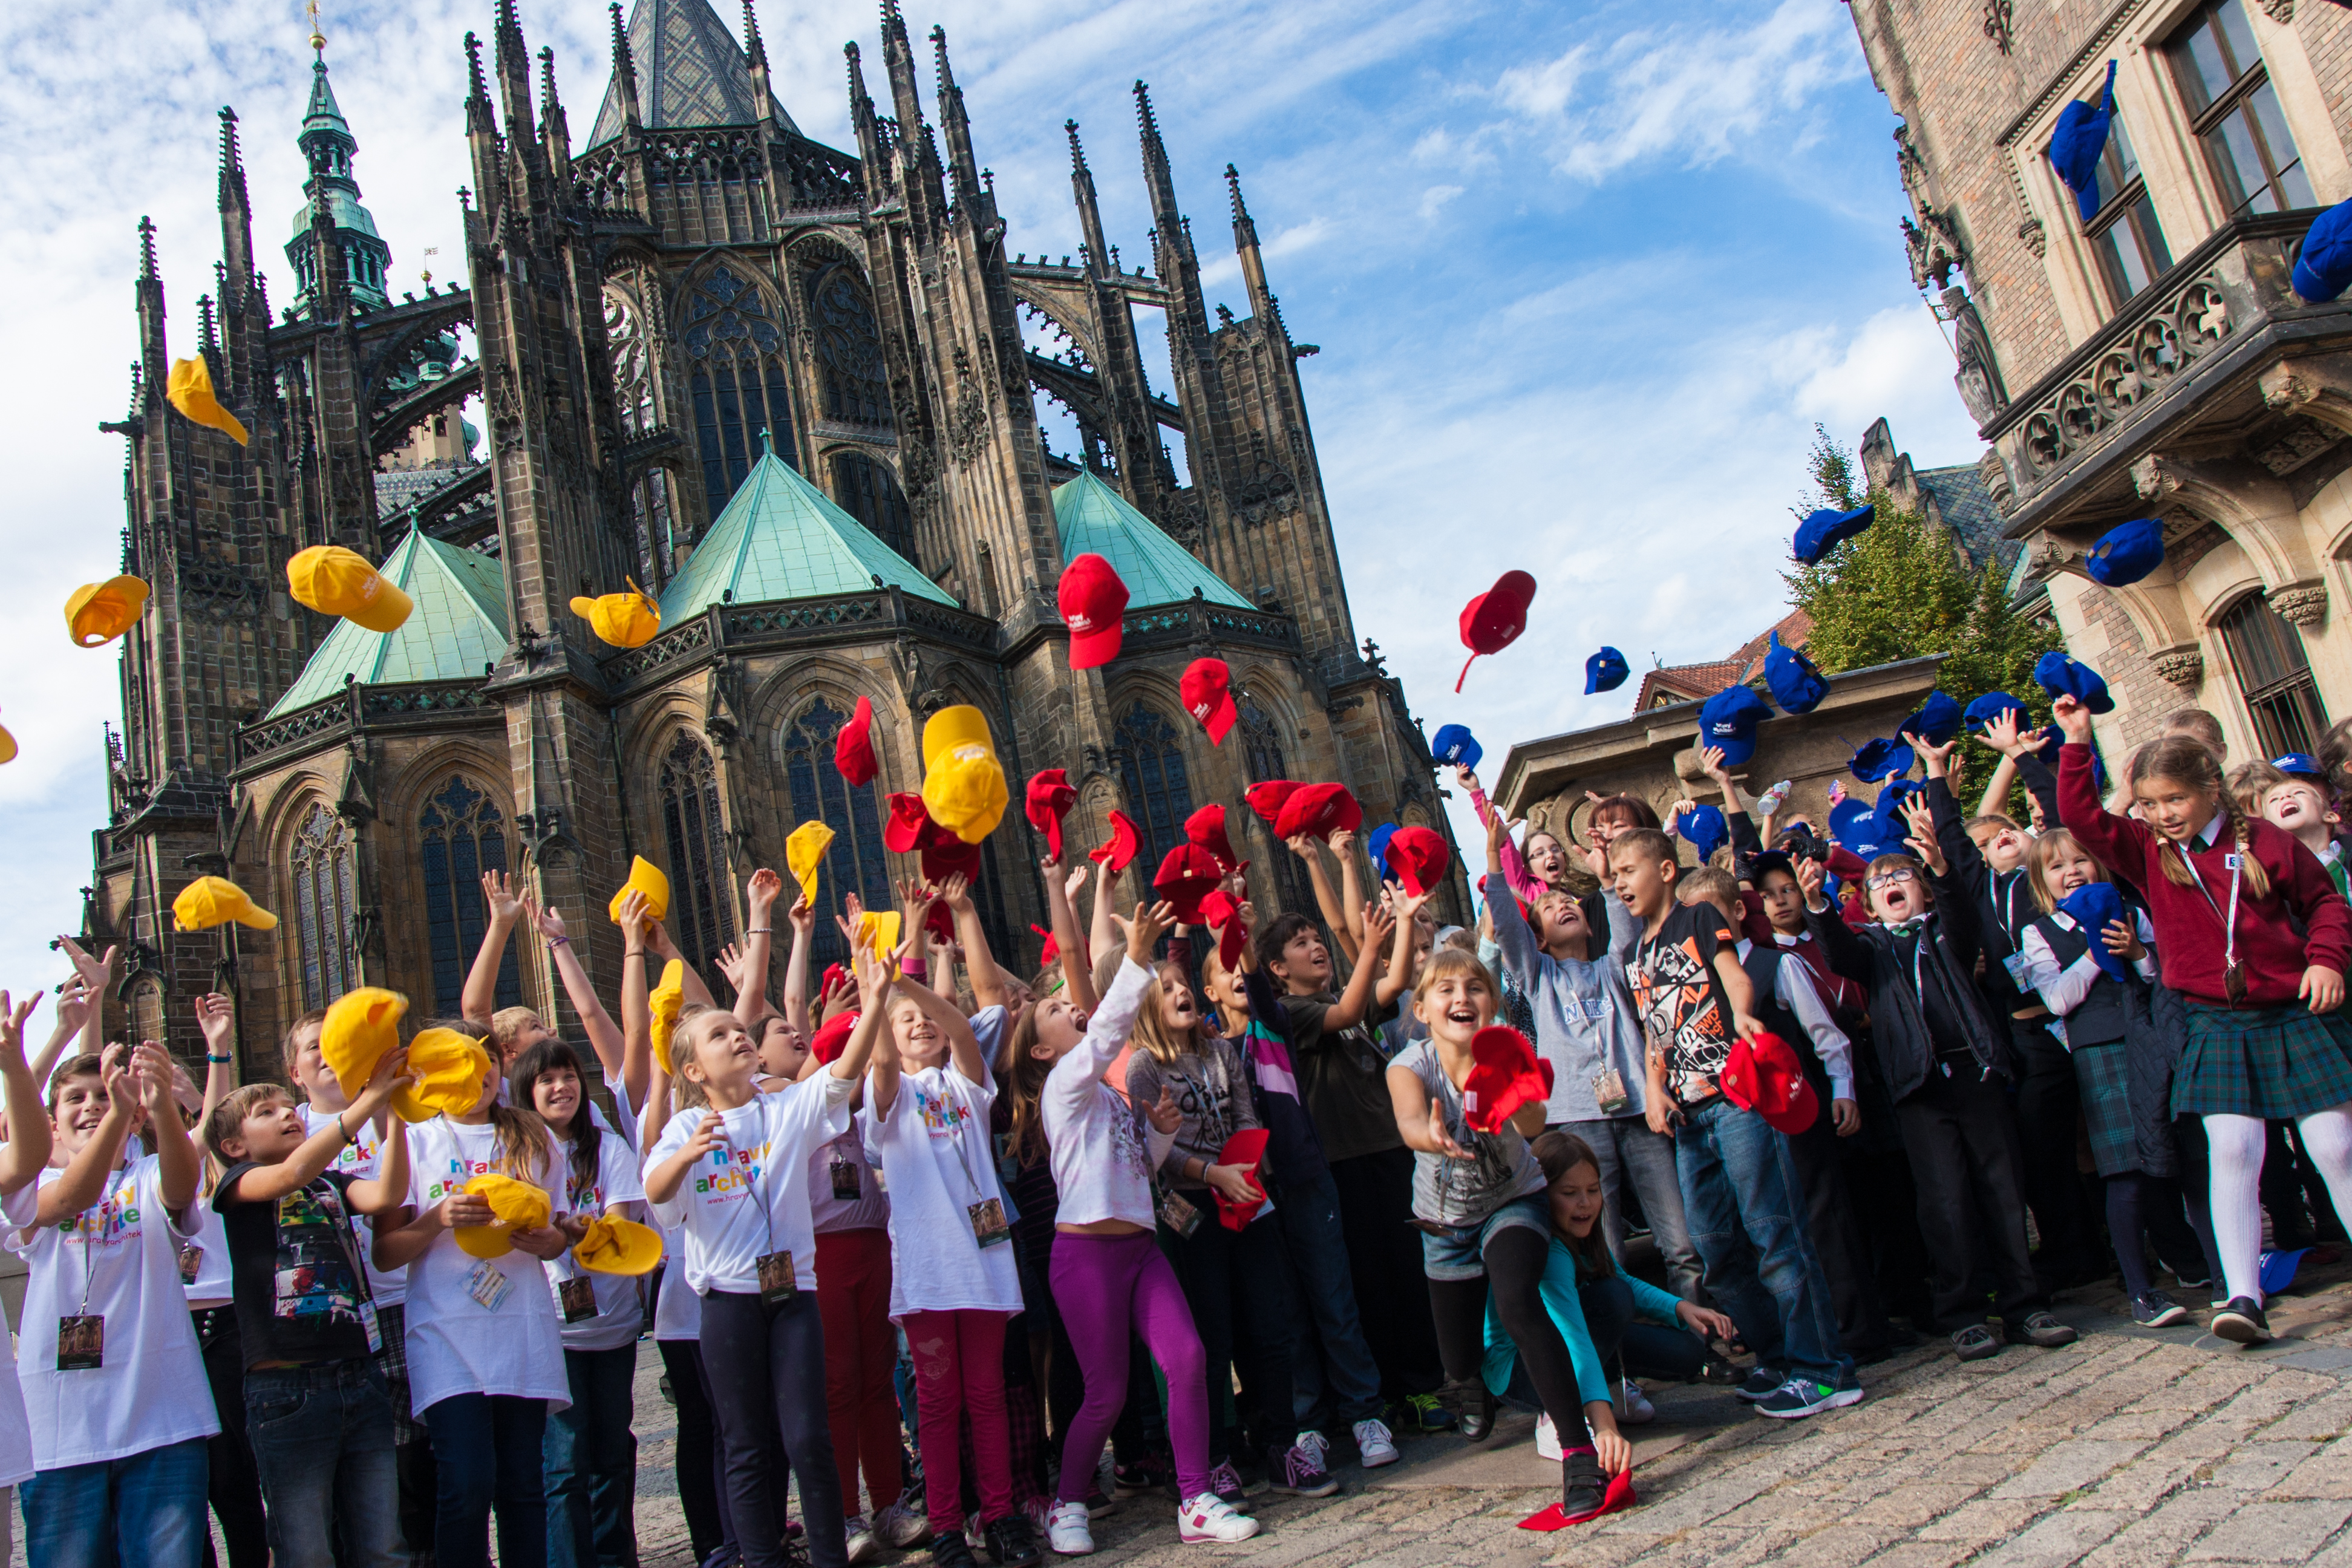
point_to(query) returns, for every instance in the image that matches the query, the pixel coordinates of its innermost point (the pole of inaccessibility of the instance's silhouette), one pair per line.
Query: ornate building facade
(785, 387)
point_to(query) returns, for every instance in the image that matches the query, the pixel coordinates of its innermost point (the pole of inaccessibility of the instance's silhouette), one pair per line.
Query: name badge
(1179, 1213)
(578, 1297)
(2231, 862)
(988, 1227)
(192, 1262)
(2015, 964)
(374, 1329)
(81, 1342)
(779, 1282)
(1609, 1092)
(487, 1284)
(845, 1184)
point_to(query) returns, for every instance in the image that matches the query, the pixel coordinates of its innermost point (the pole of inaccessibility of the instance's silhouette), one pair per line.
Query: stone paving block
(1920, 1555)
(2258, 1467)
(2327, 1416)
(2317, 1358)
(2271, 1532)
(1913, 1504)
(2071, 1466)
(2061, 1538)
(2327, 1473)
(2162, 1534)
(1985, 1519)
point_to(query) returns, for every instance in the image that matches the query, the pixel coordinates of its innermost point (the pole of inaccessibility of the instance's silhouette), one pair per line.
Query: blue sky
(1584, 276)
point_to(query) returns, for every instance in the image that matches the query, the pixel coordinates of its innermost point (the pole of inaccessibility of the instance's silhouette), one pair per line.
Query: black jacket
(1881, 960)
(2003, 899)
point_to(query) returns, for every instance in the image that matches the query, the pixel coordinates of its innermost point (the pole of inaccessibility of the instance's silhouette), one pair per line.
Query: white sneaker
(1375, 1446)
(865, 1546)
(1634, 1406)
(1211, 1518)
(1066, 1532)
(1547, 1439)
(901, 1526)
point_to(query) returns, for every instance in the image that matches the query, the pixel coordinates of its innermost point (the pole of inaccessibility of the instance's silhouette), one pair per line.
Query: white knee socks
(2236, 1151)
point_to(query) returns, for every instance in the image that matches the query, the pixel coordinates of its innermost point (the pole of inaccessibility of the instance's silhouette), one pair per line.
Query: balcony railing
(408, 705)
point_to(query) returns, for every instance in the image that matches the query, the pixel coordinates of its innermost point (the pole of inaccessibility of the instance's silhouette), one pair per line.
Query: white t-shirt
(1103, 1152)
(935, 1150)
(455, 1344)
(620, 1298)
(829, 1208)
(359, 1161)
(677, 1310)
(214, 1282)
(119, 1259)
(765, 1152)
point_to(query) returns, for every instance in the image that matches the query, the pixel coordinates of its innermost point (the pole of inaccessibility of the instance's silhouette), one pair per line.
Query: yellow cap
(664, 1002)
(624, 620)
(645, 878)
(209, 901)
(100, 612)
(964, 784)
(803, 852)
(334, 581)
(877, 930)
(519, 1205)
(962, 725)
(361, 1025)
(617, 1246)
(190, 391)
(8, 746)
(448, 1068)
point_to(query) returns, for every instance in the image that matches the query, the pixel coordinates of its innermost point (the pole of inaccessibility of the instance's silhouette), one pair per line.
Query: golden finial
(430, 250)
(318, 39)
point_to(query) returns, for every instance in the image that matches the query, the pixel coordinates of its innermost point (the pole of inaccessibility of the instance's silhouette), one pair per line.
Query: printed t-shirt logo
(942, 1118)
(113, 1219)
(730, 1173)
(1681, 1018)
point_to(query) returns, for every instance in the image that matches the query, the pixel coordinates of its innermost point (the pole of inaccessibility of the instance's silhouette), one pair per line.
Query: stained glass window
(701, 905)
(734, 350)
(1262, 760)
(324, 906)
(868, 492)
(857, 861)
(1157, 792)
(460, 835)
(849, 348)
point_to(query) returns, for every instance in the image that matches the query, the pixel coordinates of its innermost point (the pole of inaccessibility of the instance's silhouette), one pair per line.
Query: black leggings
(698, 1447)
(1515, 1259)
(234, 1484)
(771, 1359)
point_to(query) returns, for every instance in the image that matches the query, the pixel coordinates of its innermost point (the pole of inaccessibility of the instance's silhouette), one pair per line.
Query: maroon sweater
(2190, 936)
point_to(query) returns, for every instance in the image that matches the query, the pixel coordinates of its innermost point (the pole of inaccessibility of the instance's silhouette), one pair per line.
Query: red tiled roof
(1696, 682)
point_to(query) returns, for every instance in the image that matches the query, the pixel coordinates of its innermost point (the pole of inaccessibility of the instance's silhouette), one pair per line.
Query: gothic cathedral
(784, 388)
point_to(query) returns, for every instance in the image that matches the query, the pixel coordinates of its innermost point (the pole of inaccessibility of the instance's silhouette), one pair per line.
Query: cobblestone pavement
(2132, 1447)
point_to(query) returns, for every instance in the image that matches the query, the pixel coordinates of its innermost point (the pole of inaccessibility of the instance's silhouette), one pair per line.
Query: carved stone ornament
(2280, 10)
(2302, 604)
(2036, 239)
(2183, 667)
(2182, 328)
(1996, 23)
(1994, 475)
(2047, 558)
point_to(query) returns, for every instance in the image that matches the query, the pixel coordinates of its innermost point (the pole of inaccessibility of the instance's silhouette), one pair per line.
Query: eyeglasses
(1888, 879)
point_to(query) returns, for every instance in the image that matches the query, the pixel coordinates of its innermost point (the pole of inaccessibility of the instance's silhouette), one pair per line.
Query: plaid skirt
(2100, 1073)
(2282, 1061)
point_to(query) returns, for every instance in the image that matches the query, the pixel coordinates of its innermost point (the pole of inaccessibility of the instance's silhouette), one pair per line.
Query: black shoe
(1582, 1484)
(1010, 1542)
(2042, 1329)
(950, 1550)
(1760, 1384)
(1975, 1342)
(2157, 1310)
(1719, 1372)
(1470, 1405)
(2239, 1322)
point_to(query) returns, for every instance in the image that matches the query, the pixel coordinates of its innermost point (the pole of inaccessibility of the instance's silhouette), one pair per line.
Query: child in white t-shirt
(23, 1156)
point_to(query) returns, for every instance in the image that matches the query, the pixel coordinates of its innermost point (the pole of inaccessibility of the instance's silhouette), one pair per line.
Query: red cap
(1508, 1076)
(938, 921)
(1244, 1148)
(1207, 690)
(1222, 915)
(853, 749)
(1762, 1074)
(1050, 799)
(1053, 949)
(1494, 620)
(829, 1041)
(1267, 798)
(1207, 828)
(1419, 858)
(944, 854)
(1318, 810)
(1184, 879)
(1122, 846)
(833, 972)
(908, 818)
(1094, 607)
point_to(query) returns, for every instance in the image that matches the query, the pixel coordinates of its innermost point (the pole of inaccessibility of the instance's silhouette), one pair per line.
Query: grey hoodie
(1585, 1019)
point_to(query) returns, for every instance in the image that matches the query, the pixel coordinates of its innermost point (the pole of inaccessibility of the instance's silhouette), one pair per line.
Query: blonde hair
(316, 1019)
(685, 1091)
(2037, 863)
(1447, 961)
(2189, 761)
(1152, 1031)
(2250, 782)
(506, 1023)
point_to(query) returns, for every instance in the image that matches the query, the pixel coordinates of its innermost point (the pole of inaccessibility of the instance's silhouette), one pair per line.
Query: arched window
(848, 348)
(1262, 760)
(2274, 677)
(701, 905)
(734, 352)
(459, 836)
(869, 492)
(325, 906)
(1152, 763)
(857, 861)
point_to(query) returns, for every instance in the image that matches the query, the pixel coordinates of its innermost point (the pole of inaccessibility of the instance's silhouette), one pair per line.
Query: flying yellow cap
(624, 620)
(803, 852)
(209, 901)
(190, 391)
(645, 878)
(519, 1205)
(334, 581)
(100, 612)
(362, 1024)
(878, 930)
(664, 1002)
(616, 1245)
(964, 784)
(449, 1067)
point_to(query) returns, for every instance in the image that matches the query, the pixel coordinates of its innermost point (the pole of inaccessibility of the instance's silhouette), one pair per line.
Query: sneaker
(1422, 1413)
(1039, 1512)
(2241, 1323)
(1975, 1342)
(1634, 1406)
(1375, 1446)
(669, 1395)
(1226, 1482)
(1719, 1372)
(1298, 1471)
(1760, 1384)
(2044, 1329)
(1547, 1439)
(1467, 1400)
(2157, 1310)
(953, 1550)
(902, 1526)
(865, 1546)
(1010, 1542)
(1211, 1518)
(1146, 1475)
(1066, 1532)
(1801, 1396)
(1582, 1487)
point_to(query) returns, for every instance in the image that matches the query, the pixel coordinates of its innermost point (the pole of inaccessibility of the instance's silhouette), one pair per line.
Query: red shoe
(1619, 1494)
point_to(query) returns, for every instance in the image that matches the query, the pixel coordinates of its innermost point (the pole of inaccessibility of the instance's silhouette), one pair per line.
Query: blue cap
(2126, 553)
(1937, 721)
(2075, 145)
(2092, 906)
(1882, 759)
(1853, 825)
(1988, 708)
(1604, 671)
(1888, 809)
(1378, 843)
(2062, 676)
(2301, 765)
(2275, 1271)
(1827, 528)
(1456, 747)
(1797, 685)
(1704, 829)
(1730, 721)
(2323, 268)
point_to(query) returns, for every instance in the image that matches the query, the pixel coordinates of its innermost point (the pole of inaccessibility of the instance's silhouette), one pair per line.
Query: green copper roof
(782, 538)
(460, 624)
(324, 113)
(1095, 520)
(344, 209)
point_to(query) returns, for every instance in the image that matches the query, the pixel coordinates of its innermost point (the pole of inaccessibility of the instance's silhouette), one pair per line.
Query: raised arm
(267, 1184)
(1076, 977)
(178, 1169)
(1398, 972)
(76, 1005)
(658, 944)
(2118, 842)
(1499, 845)
(26, 1153)
(606, 1037)
(989, 984)
(98, 976)
(479, 999)
(1351, 890)
(216, 1021)
(1102, 929)
(1326, 902)
(1520, 956)
(1356, 1001)
(86, 1174)
(760, 897)
(1846, 952)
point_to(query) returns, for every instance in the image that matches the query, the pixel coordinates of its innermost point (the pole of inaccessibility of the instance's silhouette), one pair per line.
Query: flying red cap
(853, 749)
(1222, 915)
(834, 973)
(1053, 949)
(1208, 693)
(1507, 1077)
(1207, 828)
(1188, 875)
(828, 1042)
(1050, 799)
(908, 818)
(1244, 1148)
(1123, 844)
(1094, 607)
(1266, 799)
(1494, 620)
(1419, 858)
(944, 854)
(1318, 810)
(1762, 1074)
(938, 921)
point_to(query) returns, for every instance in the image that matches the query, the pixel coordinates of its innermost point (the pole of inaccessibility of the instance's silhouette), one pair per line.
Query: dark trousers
(487, 1454)
(2049, 1105)
(767, 1366)
(232, 1483)
(1627, 1347)
(1838, 1242)
(1515, 1259)
(591, 1463)
(1961, 1138)
(1384, 1258)
(1239, 1286)
(697, 1446)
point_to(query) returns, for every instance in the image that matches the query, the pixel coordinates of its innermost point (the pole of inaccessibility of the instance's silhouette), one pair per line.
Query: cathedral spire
(861, 118)
(328, 147)
(755, 51)
(956, 123)
(1157, 177)
(513, 59)
(755, 58)
(624, 73)
(554, 130)
(153, 350)
(1082, 186)
(1253, 262)
(232, 164)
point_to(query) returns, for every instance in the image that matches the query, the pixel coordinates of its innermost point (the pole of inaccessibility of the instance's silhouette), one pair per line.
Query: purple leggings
(1105, 1285)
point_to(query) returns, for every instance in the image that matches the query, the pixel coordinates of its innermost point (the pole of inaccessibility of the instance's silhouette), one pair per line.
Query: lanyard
(963, 1160)
(2236, 862)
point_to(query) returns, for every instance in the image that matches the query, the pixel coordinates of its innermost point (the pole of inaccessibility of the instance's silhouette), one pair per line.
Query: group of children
(1165, 1197)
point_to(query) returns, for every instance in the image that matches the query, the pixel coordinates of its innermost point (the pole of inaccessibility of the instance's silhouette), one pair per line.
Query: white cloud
(1434, 199)
(1897, 366)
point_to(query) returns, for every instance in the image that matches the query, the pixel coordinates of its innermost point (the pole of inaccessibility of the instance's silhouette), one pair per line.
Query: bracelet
(222, 1061)
(555, 942)
(350, 1137)
(760, 931)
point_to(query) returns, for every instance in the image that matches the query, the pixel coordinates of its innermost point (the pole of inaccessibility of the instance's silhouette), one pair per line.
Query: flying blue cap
(1854, 826)
(1729, 720)
(1988, 708)
(2062, 676)
(1827, 528)
(1882, 759)
(1378, 843)
(2275, 1271)
(2126, 553)
(2301, 765)
(1797, 685)
(1456, 747)
(1704, 829)
(2322, 269)
(2075, 144)
(1604, 671)
(2091, 907)
(1937, 721)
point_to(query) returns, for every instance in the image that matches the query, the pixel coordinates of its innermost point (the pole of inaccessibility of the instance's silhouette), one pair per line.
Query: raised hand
(801, 915)
(1073, 885)
(1151, 922)
(505, 903)
(2074, 720)
(75, 999)
(732, 966)
(551, 924)
(635, 920)
(1163, 1114)
(957, 892)
(760, 895)
(94, 973)
(216, 1016)
(12, 1025)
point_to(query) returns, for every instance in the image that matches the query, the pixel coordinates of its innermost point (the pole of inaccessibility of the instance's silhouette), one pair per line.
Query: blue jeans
(1332, 1371)
(591, 1463)
(488, 1452)
(1459, 1252)
(145, 1511)
(321, 1437)
(1746, 1209)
